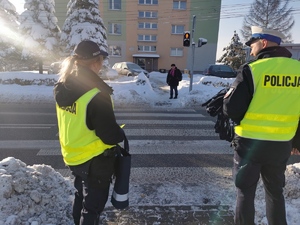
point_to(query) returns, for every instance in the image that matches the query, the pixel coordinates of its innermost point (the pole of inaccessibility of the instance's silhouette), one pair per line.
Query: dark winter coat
(236, 104)
(174, 80)
(100, 114)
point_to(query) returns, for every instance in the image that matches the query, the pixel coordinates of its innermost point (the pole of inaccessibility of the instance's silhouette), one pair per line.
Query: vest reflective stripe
(78, 143)
(281, 118)
(279, 85)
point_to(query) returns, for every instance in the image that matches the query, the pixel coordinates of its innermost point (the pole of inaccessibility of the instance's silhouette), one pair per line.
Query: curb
(169, 215)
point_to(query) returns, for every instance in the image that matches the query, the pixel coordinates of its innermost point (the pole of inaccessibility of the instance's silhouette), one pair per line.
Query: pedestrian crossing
(160, 139)
(177, 160)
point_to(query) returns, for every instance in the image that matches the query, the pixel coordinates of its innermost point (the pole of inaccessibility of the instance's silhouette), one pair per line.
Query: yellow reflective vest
(78, 143)
(274, 111)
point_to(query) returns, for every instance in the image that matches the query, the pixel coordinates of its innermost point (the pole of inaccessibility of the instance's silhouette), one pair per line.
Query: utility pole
(193, 54)
(187, 36)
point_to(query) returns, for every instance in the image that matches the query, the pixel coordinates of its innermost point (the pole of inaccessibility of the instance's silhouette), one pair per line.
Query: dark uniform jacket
(100, 114)
(174, 80)
(235, 105)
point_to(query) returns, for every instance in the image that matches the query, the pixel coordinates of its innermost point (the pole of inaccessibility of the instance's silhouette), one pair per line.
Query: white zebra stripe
(170, 132)
(165, 147)
(167, 122)
(52, 147)
(169, 115)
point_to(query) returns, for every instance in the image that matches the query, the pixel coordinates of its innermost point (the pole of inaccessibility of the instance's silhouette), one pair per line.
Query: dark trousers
(175, 90)
(92, 181)
(88, 203)
(252, 159)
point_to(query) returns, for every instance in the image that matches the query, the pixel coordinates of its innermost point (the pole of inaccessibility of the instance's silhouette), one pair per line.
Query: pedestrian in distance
(264, 102)
(88, 131)
(173, 78)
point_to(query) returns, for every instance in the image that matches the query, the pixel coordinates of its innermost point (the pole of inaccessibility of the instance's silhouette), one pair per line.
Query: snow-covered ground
(136, 91)
(38, 195)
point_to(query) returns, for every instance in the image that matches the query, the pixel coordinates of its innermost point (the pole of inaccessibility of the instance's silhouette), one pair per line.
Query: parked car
(129, 69)
(223, 71)
(54, 68)
(108, 73)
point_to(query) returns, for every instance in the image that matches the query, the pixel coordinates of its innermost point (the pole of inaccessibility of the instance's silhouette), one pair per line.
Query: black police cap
(88, 49)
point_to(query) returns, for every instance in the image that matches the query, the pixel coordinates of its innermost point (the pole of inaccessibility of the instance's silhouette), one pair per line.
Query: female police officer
(88, 132)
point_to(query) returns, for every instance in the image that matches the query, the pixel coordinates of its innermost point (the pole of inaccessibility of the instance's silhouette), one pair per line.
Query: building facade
(61, 11)
(150, 32)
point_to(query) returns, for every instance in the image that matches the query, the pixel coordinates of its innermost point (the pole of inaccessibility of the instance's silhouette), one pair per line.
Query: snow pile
(291, 193)
(38, 195)
(137, 91)
(154, 92)
(33, 194)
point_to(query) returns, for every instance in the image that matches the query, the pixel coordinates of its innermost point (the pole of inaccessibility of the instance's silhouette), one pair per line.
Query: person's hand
(295, 151)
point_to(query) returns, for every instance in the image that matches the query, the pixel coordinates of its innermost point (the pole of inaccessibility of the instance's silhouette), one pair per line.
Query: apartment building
(61, 11)
(150, 32)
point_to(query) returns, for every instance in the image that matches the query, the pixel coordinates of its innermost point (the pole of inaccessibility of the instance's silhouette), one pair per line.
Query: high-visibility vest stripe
(267, 129)
(272, 117)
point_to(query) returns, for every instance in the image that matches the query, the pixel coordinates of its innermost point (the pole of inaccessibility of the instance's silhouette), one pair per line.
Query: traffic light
(202, 41)
(187, 39)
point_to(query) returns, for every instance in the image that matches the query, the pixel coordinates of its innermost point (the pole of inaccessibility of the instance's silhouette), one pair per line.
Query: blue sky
(231, 19)
(232, 14)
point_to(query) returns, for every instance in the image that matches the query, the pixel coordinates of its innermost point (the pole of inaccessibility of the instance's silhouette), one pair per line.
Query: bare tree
(273, 14)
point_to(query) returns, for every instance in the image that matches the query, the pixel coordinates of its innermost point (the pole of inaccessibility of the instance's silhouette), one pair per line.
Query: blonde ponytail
(70, 66)
(67, 68)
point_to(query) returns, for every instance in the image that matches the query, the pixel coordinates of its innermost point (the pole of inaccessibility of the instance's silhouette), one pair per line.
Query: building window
(177, 29)
(148, 2)
(114, 50)
(176, 52)
(115, 4)
(145, 48)
(114, 28)
(179, 5)
(147, 25)
(147, 14)
(147, 37)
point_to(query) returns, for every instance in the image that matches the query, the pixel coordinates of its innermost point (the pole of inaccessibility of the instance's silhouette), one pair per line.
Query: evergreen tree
(9, 38)
(83, 23)
(273, 14)
(235, 54)
(40, 31)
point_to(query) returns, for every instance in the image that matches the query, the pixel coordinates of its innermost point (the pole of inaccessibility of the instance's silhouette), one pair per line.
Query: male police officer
(264, 102)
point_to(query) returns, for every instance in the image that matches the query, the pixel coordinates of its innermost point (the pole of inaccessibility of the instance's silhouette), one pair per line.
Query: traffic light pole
(193, 54)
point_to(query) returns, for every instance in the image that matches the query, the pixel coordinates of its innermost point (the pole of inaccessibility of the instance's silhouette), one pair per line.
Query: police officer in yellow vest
(88, 131)
(264, 102)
